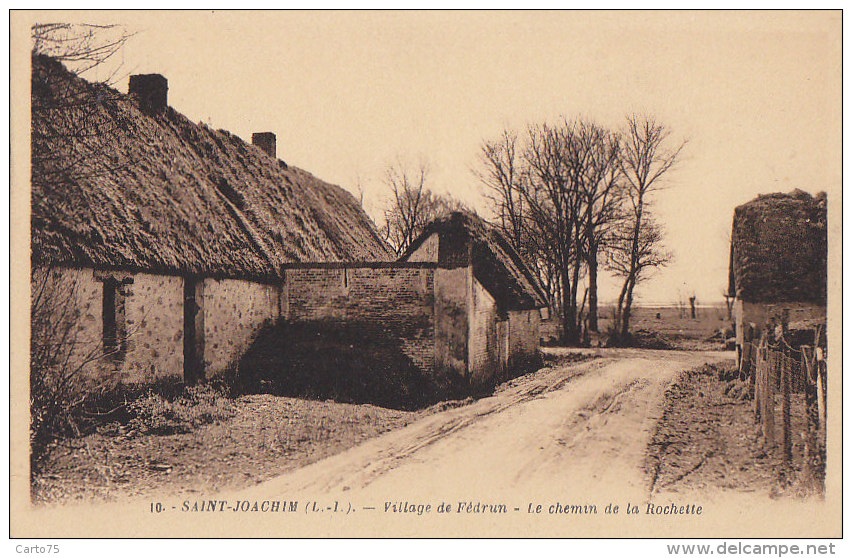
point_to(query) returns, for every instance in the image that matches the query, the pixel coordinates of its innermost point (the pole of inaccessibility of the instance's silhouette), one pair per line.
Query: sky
(756, 94)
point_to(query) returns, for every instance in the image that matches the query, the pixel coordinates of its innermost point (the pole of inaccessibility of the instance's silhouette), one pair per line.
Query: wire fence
(789, 384)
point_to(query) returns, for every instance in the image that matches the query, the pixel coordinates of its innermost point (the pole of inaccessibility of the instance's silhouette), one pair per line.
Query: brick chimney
(152, 90)
(265, 141)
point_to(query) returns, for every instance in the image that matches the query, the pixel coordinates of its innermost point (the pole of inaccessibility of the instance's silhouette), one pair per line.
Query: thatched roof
(495, 263)
(779, 249)
(117, 187)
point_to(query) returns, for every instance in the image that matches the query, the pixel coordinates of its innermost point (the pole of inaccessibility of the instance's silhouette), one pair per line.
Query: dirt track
(580, 429)
(569, 438)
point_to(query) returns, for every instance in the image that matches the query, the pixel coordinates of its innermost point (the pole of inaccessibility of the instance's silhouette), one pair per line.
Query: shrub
(58, 360)
(349, 363)
(156, 413)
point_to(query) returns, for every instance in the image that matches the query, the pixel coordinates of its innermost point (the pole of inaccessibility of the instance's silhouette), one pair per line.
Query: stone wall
(484, 342)
(442, 319)
(524, 336)
(395, 300)
(153, 317)
(758, 313)
(234, 311)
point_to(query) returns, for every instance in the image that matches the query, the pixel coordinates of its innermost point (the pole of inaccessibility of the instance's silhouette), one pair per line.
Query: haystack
(779, 249)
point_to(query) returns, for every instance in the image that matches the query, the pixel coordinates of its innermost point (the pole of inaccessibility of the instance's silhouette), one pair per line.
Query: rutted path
(580, 430)
(571, 439)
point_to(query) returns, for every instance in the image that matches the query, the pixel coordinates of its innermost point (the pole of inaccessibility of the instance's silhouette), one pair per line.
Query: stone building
(165, 248)
(778, 261)
(488, 304)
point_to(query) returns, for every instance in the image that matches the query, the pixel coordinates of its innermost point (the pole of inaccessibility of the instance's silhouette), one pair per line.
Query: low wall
(759, 312)
(395, 300)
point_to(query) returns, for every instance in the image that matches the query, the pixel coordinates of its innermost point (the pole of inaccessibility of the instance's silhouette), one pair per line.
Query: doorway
(193, 330)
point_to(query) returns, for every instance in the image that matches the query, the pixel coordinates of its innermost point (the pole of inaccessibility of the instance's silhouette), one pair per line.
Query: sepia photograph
(480, 274)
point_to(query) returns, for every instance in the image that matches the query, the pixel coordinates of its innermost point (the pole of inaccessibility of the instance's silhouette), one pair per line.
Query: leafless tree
(74, 123)
(555, 195)
(503, 174)
(601, 190)
(556, 161)
(644, 161)
(412, 205)
(59, 357)
(570, 192)
(80, 46)
(633, 262)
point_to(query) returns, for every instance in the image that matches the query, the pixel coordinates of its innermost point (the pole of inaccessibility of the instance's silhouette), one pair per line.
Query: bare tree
(59, 358)
(555, 194)
(632, 261)
(644, 161)
(504, 172)
(74, 123)
(601, 191)
(556, 161)
(504, 176)
(80, 46)
(570, 191)
(412, 205)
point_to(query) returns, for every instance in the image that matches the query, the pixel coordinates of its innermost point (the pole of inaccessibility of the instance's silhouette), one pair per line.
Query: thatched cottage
(778, 260)
(164, 247)
(484, 282)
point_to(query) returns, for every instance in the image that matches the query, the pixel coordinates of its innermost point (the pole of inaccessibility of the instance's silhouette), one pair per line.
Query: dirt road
(580, 429)
(545, 456)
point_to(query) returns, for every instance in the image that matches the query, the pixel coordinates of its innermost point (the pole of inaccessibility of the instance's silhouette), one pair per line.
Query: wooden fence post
(756, 375)
(821, 394)
(786, 370)
(820, 369)
(769, 398)
(812, 410)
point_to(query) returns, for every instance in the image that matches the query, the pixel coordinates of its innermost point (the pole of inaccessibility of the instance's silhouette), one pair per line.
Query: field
(663, 327)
